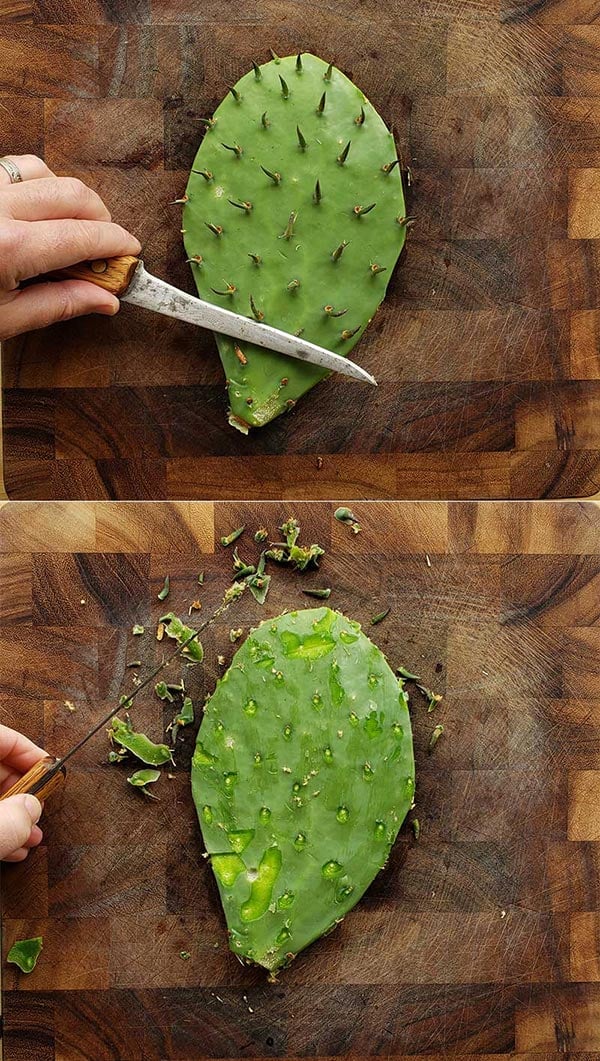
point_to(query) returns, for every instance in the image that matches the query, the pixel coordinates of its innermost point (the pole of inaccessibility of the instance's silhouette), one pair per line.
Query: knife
(127, 278)
(49, 773)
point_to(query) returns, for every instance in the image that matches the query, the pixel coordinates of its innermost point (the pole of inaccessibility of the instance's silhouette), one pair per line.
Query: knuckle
(64, 307)
(11, 238)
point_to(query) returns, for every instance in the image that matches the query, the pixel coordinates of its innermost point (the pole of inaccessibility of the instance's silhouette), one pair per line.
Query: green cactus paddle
(294, 214)
(302, 776)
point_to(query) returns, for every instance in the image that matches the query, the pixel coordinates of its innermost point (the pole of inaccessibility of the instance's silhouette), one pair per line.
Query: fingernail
(33, 808)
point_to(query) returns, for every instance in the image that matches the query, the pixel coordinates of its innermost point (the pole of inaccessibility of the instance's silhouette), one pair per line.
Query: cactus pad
(294, 214)
(302, 775)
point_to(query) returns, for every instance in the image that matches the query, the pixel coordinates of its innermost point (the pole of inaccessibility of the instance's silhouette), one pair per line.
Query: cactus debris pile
(294, 214)
(302, 776)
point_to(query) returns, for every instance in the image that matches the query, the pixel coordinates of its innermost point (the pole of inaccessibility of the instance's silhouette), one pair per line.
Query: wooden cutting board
(486, 349)
(482, 938)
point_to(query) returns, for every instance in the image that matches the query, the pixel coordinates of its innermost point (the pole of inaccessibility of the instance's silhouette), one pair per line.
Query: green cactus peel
(294, 215)
(302, 776)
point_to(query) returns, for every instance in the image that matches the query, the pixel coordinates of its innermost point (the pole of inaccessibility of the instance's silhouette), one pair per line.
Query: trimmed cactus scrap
(302, 776)
(318, 177)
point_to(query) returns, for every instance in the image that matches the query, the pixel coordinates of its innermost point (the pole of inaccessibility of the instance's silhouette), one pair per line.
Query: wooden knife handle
(113, 274)
(34, 780)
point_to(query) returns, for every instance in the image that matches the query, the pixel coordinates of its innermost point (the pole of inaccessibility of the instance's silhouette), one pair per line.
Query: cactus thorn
(274, 55)
(256, 313)
(249, 401)
(230, 289)
(317, 193)
(328, 72)
(299, 63)
(331, 312)
(196, 259)
(360, 118)
(175, 202)
(256, 258)
(235, 94)
(289, 228)
(237, 150)
(321, 106)
(216, 230)
(406, 222)
(285, 92)
(299, 333)
(293, 285)
(208, 122)
(344, 155)
(264, 120)
(348, 333)
(360, 211)
(301, 139)
(241, 206)
(239, 353)
(206, 173)
(388, 166)
(275, 177)
(375, 268)
(257, 70)
(337, 253)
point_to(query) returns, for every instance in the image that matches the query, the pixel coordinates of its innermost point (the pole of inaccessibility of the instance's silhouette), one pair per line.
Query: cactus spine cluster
(302, 775)
(294, 215)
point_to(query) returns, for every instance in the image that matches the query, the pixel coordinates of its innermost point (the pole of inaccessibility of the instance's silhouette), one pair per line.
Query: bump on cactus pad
(294, 215)
(302, 776)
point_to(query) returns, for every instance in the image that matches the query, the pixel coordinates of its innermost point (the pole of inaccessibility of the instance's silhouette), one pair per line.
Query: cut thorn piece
(256, 313)
(317, 196)
(301, 140)
(256, 258)
(348, 333)
(217, 230)
(237, 150)
(331, 312)
(241, 206)
(321, 105)
(196, 259)
(184, 199)
(239, 353)
(293, 285)
(275, 177)
(289, 228)
(344, 155)
(360, 211)
(337, 253)
(285, 92)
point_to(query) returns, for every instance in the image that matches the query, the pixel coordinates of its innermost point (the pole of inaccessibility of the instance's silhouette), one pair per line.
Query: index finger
(49, 245)
(17, 751)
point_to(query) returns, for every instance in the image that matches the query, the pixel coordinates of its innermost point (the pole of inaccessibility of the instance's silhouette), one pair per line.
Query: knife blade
(49, 773)
(127, 278)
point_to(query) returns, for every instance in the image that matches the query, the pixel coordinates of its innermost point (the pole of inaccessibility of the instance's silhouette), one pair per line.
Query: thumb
(18, 815)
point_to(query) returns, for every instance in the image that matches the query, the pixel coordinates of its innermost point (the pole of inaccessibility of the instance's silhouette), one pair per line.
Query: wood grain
(487, 344)
(481, 940)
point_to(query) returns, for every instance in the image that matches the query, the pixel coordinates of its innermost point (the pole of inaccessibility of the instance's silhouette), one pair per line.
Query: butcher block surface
(482, 938)
(487, 348)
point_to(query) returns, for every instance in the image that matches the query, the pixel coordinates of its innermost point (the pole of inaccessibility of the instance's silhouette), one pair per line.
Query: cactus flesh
(296, 224)
(302, 776)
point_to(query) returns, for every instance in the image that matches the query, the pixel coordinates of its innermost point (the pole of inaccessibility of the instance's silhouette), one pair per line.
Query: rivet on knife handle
(41, 780)
(113, 274)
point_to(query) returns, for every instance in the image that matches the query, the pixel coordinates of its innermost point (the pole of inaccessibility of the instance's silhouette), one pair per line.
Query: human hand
(47, 223)
(18, 814)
